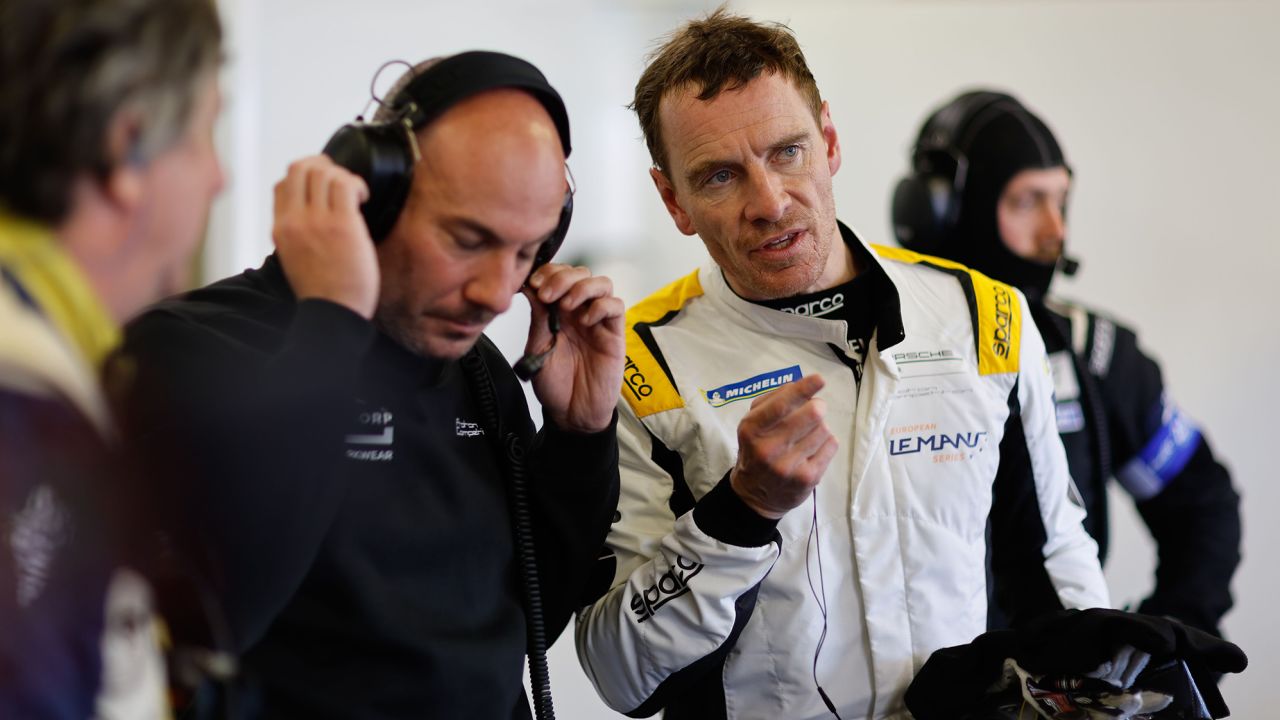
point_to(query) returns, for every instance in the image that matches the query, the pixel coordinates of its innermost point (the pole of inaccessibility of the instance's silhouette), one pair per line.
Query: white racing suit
(949, 464)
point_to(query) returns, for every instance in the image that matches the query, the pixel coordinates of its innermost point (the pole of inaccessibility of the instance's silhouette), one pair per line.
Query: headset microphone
(1068, 265)
(530, 364)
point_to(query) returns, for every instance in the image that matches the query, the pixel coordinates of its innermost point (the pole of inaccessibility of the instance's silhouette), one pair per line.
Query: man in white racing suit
(826, 448)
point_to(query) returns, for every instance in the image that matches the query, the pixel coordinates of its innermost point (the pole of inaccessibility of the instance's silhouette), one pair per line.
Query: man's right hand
(321, 237)
(784, 448)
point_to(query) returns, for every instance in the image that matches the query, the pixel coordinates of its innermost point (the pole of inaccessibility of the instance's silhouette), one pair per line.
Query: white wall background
(1168, 111)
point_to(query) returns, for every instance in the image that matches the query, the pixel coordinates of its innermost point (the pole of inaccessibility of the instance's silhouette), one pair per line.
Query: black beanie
(1001, 139)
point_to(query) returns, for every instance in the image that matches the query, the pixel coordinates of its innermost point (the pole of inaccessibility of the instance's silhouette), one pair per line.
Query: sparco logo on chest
(635, 381)
(818, 308)
(1004, 322)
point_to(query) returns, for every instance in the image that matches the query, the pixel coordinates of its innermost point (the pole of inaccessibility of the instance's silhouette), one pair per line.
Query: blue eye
(720, 178)
(789, 152)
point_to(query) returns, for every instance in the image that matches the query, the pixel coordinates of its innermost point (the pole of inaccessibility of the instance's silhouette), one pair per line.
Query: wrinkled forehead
(760, 113)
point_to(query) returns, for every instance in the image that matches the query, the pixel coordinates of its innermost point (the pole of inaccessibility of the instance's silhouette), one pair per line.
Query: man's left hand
(578, 386)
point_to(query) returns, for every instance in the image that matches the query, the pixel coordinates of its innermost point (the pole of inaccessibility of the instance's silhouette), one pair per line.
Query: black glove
(954, 681)
(1073, 642)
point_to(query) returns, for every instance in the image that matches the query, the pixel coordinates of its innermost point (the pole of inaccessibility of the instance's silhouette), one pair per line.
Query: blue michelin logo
(752, 386)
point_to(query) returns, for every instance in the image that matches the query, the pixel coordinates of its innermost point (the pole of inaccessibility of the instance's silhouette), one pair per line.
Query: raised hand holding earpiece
(578, 384)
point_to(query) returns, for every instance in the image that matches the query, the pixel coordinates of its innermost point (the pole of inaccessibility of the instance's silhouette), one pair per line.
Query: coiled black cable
(522, 527)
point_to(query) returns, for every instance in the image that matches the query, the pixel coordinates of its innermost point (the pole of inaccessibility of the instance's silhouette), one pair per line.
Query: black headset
(384, 153)
(926, 203)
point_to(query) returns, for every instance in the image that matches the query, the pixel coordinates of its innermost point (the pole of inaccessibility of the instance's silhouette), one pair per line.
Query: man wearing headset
(349, 448)
(815, 433)
(107, 170)
(989, 189)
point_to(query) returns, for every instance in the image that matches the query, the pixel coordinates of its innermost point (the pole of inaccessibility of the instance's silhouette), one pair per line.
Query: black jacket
(351, 506)
(1116, 420)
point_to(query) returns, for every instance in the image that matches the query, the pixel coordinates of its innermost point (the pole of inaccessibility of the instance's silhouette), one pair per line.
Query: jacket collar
(55, 331)
(37, 272)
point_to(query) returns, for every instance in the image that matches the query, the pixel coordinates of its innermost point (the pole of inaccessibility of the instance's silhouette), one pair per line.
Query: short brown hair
(719, 52)
(69, 66)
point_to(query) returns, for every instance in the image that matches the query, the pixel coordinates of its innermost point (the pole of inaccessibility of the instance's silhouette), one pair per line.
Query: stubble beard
(411, 331)
(806, 270)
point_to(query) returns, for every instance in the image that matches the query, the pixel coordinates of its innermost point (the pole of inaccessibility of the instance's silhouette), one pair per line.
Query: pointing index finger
(770, 409)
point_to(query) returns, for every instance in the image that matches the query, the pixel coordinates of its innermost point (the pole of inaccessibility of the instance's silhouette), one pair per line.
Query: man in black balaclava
(989, 189)
(1012, 231)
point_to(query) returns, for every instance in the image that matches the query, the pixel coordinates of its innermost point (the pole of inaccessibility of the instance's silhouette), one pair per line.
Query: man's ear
(122, 185)
(667, 192)
(829, 135)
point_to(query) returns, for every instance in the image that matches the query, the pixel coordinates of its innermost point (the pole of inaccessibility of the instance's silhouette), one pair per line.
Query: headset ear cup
(551, 245)
(380, 155)
(926, 203)
(917, 222)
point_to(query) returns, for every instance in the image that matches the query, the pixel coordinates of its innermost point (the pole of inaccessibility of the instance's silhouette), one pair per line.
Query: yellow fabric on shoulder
(645, 385)
(999, 313)
(58, 287)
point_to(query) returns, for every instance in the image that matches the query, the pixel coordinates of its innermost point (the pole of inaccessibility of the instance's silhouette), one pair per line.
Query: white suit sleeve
(685, 580)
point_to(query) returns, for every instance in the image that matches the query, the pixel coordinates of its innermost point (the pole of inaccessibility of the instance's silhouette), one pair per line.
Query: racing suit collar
(887, 331)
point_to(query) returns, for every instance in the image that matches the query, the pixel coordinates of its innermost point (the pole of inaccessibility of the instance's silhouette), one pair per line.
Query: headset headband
(385, 152)
(457, 77)
(953, 127)
(926, 203)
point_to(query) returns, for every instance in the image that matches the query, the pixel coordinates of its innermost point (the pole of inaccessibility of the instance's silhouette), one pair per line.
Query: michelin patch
(752, 386)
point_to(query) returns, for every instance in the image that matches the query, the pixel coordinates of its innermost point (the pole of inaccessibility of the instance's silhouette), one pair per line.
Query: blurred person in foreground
(107, 170)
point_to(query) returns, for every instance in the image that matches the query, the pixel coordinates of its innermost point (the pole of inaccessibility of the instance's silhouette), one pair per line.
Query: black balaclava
(999, 141)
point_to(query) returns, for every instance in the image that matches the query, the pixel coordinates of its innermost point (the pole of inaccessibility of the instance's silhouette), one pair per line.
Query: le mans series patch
(753, 386)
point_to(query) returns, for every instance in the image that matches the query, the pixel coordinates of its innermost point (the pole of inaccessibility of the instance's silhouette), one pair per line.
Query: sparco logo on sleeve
(1004, 320)
(634, 380)
(673, 583)
(752, 386)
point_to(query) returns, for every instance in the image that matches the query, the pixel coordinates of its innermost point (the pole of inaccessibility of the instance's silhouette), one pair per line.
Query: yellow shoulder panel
(999, 325)
(645, 385)
(999, 315)
(907, 256)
